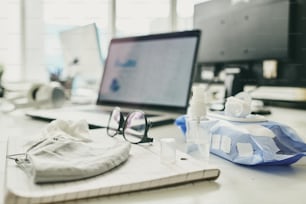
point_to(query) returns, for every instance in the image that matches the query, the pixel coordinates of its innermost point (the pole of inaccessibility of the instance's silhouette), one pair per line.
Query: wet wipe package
(253, 143)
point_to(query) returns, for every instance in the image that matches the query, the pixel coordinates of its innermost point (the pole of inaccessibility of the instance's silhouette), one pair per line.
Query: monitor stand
(234, 81)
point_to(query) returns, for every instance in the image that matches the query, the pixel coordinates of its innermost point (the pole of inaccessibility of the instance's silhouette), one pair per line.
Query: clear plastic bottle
(198, 138)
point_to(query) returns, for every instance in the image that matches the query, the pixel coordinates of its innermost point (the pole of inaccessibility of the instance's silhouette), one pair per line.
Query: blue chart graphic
(130, 63)
(115, 86)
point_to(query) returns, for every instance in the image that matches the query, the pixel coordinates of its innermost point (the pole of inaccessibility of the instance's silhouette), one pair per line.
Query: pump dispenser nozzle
(197, 106)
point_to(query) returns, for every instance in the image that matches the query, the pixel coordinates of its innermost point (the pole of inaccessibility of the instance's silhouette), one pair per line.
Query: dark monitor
(238, 35)
(242, 30)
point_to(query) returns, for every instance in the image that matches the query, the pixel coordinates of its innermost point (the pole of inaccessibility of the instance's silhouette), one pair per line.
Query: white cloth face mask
(65, 153)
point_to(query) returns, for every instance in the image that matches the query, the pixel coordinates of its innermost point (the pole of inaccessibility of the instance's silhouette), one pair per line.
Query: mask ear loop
(17, 157)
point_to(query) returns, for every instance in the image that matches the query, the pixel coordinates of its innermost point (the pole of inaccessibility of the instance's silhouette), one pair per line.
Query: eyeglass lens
(114, 122)
(135, 127)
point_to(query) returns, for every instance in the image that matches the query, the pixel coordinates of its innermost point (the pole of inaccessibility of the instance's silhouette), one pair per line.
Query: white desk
(236, 184)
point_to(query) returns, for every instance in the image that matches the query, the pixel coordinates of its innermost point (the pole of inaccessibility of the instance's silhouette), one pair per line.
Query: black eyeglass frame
(123, 125)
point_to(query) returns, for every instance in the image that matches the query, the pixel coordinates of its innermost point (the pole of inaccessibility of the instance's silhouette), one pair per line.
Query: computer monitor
(238, 35)
(242, 30)
(82, 54)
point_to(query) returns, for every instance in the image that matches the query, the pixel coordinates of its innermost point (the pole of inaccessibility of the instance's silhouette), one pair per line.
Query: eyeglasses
(134, 127)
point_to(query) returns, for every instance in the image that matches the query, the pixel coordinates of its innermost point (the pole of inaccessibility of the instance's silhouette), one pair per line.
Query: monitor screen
(242, 30)
(153, 70)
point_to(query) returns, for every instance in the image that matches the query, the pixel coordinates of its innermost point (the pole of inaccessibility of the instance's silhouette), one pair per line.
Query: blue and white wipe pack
(254, 143)
(243, 138)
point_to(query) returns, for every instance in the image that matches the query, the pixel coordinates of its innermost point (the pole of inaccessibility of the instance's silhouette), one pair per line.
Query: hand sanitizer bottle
(198, 138)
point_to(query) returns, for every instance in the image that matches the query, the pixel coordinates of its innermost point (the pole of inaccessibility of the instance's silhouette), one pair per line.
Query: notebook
(153, 73)
(143, 170)
(3, 151)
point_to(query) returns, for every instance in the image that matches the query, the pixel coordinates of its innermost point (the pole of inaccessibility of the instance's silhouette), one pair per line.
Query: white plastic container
(167, 150)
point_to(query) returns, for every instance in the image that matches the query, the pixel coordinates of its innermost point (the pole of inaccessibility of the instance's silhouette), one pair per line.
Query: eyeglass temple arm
(121, 123)
(121, 120)
(146, 138)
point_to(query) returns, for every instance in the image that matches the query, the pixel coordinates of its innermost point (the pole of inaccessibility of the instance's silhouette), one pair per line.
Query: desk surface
(237, 184)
